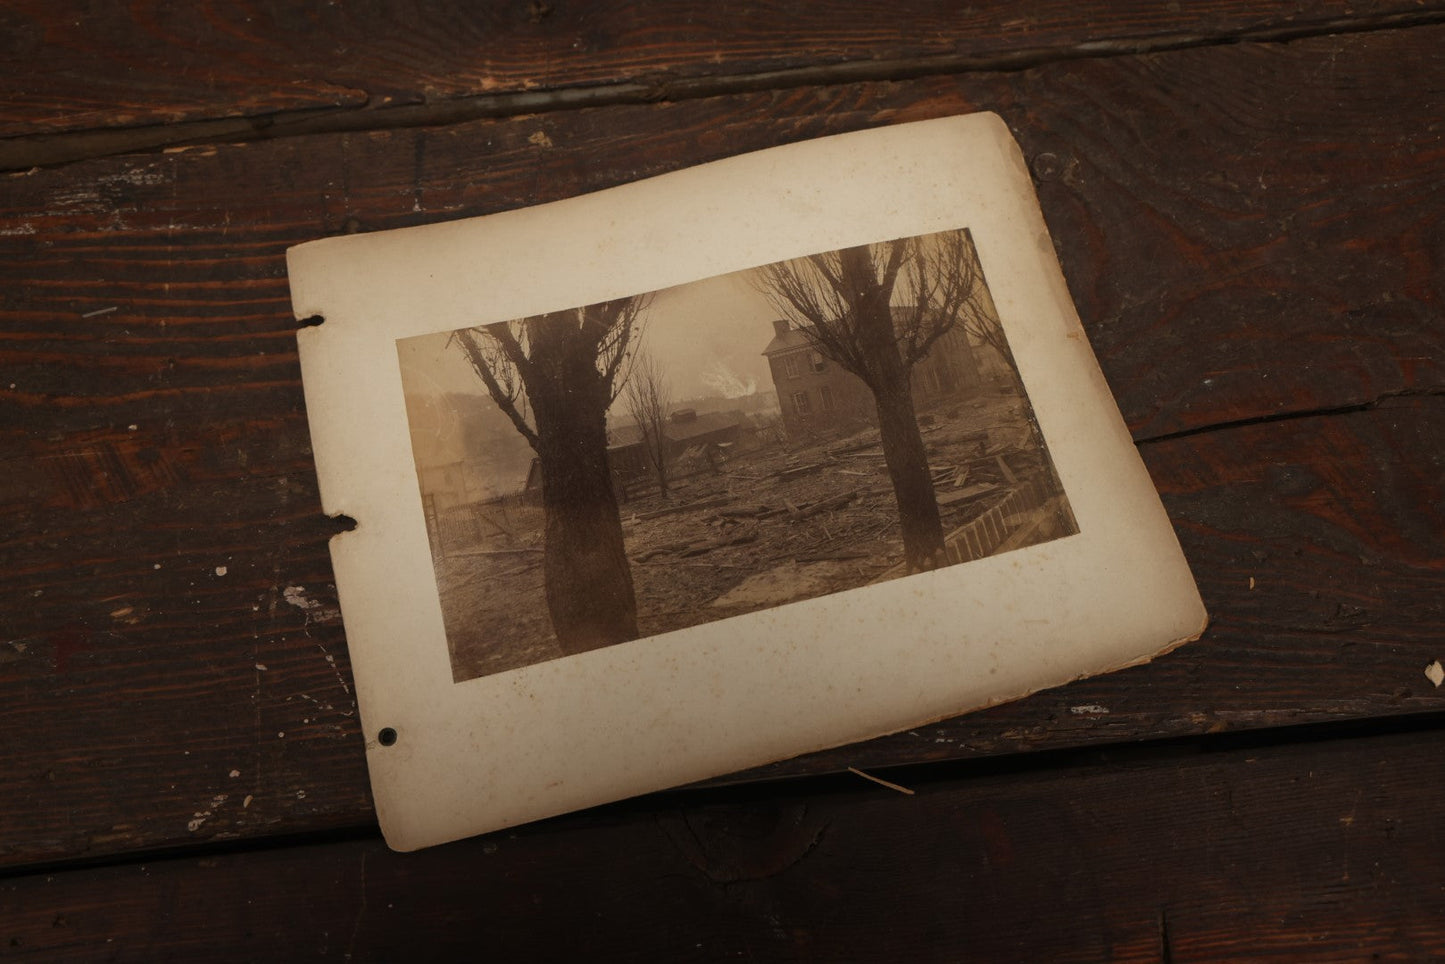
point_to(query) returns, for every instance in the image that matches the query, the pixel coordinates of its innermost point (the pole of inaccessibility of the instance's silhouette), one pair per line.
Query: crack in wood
(29, 151)
(1352, 409)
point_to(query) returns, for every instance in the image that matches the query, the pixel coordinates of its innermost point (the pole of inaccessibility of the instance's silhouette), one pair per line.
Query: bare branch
(844, 300)
(648, 400)
(899, 252)
(811, 293)
(536, 359)
(499, 375)
(625, 327)
(511, 347)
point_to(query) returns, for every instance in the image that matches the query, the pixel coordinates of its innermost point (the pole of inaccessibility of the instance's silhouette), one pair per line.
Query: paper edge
(313, 343)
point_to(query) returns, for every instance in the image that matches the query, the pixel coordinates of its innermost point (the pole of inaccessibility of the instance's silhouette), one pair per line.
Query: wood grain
(136, 64)
(1319, 548)
(1144, 860)
(1245, 206)
(167, 616)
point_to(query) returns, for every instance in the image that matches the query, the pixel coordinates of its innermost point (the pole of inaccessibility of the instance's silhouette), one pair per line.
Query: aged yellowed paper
(760, 457)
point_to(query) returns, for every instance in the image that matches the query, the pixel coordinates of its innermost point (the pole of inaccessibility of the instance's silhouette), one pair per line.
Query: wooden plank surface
(1319, 548)
(1145, 858)
(167, 618)
(135, 64)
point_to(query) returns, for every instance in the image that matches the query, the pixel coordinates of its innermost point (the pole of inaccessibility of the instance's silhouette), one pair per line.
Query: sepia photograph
(624, 469)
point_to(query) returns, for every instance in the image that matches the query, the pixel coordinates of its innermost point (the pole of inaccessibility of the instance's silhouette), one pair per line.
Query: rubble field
(771, 526)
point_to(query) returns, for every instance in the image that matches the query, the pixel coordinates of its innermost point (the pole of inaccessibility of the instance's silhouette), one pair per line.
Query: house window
(801, 404)
(827, 392)
(815, 361)
(792, 365)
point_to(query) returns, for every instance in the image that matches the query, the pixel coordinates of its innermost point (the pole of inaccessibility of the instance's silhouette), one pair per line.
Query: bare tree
(648, 397)
(555, 376)
(984, 325)
(980, 319)
(844, 301)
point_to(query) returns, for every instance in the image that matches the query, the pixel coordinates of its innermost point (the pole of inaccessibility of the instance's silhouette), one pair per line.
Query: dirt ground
(776, 525)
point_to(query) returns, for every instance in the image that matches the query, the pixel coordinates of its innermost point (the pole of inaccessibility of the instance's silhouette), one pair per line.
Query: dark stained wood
(1142, 860)
(1236, 255)
(1338, 522)
(1236, 214)
(130, 64)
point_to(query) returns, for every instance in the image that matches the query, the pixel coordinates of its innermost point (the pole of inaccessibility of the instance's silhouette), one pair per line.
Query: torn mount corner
(310, 321)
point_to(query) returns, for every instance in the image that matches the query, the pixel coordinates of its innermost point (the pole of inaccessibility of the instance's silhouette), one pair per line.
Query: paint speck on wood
(1435, 673)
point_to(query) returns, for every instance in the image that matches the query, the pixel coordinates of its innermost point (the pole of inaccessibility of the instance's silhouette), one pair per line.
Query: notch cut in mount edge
(344, 523)
(310, 321)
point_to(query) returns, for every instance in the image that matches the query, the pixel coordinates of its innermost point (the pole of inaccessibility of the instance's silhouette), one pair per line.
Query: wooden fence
(981, 536)
(457, 529)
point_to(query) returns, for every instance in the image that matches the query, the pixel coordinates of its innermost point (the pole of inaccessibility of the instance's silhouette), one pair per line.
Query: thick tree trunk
(568, 363)
(589, 584)
(588, 580)
(912, 481)
(889, 377)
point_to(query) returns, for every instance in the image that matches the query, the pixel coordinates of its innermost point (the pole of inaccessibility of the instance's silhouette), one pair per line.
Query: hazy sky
(708, 336)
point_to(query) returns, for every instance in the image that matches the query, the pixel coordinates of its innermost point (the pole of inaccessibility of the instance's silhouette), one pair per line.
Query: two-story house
(816, 394)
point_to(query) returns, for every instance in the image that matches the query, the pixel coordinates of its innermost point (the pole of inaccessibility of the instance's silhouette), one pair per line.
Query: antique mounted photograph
(623, 469)
(754, 458)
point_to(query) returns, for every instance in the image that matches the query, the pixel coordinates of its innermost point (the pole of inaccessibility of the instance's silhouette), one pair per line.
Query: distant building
(817, 394)
(685, 430)
(814, 392)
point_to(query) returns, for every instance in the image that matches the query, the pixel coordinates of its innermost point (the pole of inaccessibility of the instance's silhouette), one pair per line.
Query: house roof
(792, 338)
(704, 424)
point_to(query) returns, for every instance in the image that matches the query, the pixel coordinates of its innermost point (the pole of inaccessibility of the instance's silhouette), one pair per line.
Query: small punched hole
(387, 736)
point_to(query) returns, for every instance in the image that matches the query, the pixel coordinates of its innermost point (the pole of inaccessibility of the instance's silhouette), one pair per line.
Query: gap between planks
(26, 152)
(1221, 426)
(1133, 754)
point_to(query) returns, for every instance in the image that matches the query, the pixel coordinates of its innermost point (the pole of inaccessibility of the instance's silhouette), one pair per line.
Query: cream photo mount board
(450, 759)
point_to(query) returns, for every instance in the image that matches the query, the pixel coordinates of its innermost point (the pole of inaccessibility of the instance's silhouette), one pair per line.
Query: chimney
(781, 327)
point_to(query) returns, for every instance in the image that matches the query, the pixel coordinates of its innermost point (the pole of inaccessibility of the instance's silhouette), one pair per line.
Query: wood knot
(736, 842)
(1048, 166)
